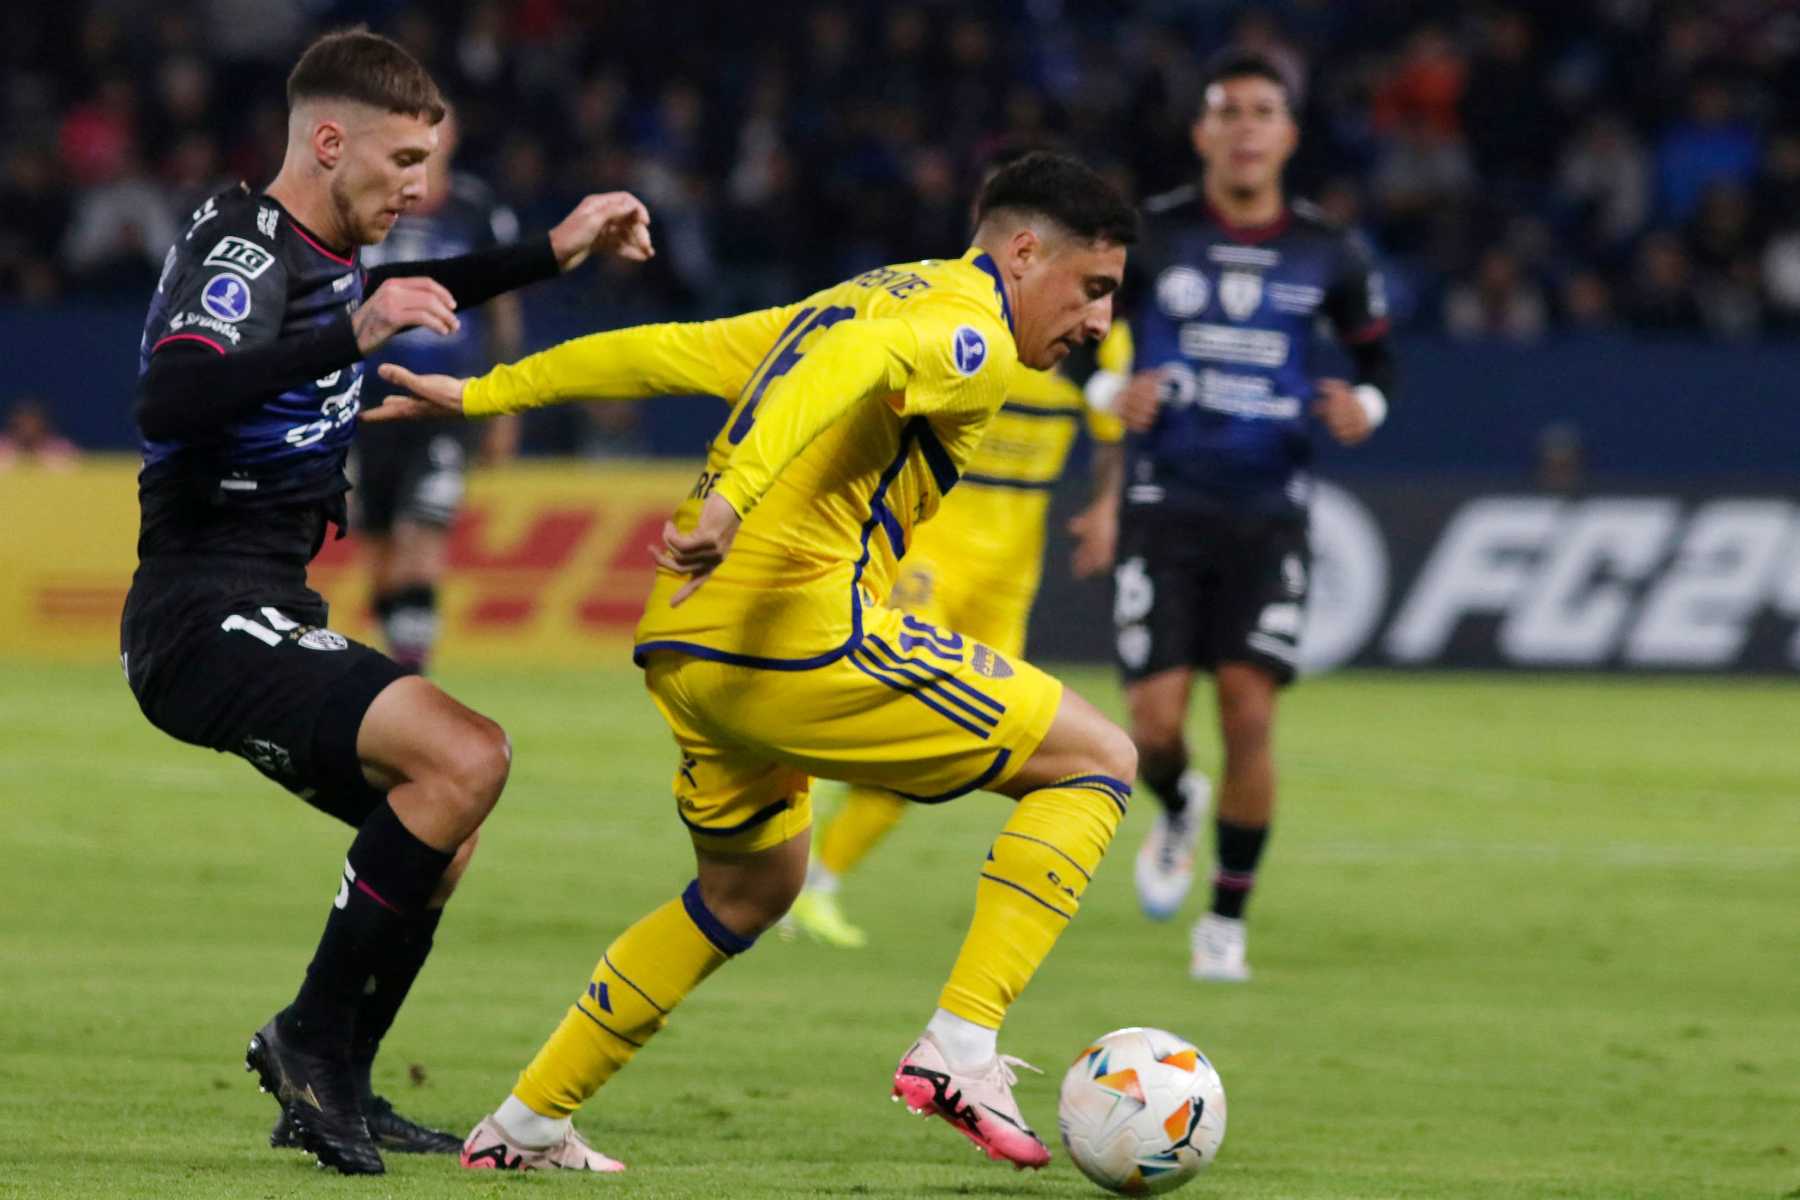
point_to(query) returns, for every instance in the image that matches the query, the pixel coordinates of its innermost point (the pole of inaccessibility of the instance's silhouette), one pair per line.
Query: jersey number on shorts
(783, 357)
(263, 633)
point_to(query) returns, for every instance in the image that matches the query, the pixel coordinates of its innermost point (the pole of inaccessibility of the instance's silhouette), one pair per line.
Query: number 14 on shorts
(276, 628)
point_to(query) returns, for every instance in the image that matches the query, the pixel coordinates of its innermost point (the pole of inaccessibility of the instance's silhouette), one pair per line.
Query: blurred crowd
(1523, 168)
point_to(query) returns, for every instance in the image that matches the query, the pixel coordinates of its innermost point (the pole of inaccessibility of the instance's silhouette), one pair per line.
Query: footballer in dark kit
(250, 382)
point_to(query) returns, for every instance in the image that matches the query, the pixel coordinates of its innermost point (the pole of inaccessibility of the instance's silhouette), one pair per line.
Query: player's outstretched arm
(705, 358)
(614, 223)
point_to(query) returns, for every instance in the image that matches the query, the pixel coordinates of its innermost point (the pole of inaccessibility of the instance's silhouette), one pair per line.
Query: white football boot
(491, 1147)
(1165, 862)
(1218, 944)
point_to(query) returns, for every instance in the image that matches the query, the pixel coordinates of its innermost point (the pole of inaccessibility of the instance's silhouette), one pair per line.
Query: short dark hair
(1064, 190)
(354, 64)
(1232, 64)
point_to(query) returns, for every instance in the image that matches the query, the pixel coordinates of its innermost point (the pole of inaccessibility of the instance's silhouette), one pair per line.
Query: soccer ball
(1141, 1111)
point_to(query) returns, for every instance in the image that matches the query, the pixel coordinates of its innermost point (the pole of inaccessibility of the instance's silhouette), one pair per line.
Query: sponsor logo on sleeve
(241, 255)
(194, 320)
(266, 219)
(968, 350)
(226, 297)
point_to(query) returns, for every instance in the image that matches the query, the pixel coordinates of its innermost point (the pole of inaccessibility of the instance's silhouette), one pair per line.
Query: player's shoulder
(478, 206)
(1307, 219)
(234, 229)
(233, 213)
(1184, 203)
(471, 190)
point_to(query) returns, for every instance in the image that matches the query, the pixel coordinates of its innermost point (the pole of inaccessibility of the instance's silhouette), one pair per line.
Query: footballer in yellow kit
(768, 650)
(975, 569)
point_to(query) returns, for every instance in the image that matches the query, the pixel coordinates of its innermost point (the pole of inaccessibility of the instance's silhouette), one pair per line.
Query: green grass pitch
(1513, 938)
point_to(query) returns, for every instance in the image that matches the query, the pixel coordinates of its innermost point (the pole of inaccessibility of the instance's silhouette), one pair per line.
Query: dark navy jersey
(245, 274)
(469, 219)
(1230, 315)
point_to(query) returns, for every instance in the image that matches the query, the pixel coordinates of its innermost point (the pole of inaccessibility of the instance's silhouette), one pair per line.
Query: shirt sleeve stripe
(191, 337)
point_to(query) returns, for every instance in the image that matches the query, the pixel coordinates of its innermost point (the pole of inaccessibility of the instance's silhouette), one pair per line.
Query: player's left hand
(1343, 414)
(615, 223)
(1096, 530)
(696, 554)
(432, 396)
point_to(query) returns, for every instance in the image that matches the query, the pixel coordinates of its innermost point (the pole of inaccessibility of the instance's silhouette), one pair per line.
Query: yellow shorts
(950, 599)
(928, 714)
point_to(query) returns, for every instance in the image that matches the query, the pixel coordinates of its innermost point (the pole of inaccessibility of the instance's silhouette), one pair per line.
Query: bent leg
(649, 969)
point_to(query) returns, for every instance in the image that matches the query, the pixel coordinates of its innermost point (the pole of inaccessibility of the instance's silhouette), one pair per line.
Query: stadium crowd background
(1524, 169)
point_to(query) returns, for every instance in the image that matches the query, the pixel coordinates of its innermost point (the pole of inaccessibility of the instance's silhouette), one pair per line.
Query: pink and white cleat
(490, 1147)
(979, 1104)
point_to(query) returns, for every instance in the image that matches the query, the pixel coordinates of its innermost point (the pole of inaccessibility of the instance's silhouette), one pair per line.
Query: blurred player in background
(1212, 543)
(409, 477)
(249, 390)
(854, 412)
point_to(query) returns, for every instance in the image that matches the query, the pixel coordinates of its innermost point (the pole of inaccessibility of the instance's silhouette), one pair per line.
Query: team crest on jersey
(226, 297)
(1240, 293)
(1181, 291)
(968, 349)
(241, 255)
(323, 639)
(989, 665)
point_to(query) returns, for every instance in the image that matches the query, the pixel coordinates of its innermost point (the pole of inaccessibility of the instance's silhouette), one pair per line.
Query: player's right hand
(414, 301)
(432, 396)
(1138, 402)
(697, 554)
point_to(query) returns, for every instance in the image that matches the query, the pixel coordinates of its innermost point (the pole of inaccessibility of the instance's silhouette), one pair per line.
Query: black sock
(1240, 848)
(409, 623)
(1162, 775)
(388, 876)
(383, 994)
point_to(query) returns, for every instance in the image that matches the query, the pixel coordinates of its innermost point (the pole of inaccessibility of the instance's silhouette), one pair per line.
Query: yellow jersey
(991, 532)
(853, 413)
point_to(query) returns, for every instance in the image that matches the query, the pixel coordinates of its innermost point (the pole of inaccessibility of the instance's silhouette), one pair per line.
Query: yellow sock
(1030, 887)
(861, 821)
(641, 977)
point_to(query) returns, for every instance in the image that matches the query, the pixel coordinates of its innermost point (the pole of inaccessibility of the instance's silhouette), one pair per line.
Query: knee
(476, 767)
(1115, 753)
(748, 904)
(1158, 735)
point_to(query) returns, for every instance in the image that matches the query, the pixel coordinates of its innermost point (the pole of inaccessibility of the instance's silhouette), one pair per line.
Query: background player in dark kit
(409, 475)
(1212, 551)
(249, 387)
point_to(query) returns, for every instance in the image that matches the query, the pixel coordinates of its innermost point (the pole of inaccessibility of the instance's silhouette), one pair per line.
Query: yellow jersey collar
(985, 262)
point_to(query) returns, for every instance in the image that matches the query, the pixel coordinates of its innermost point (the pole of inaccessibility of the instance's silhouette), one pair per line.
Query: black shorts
(240, 660)
(1197, 592)
(408, 471)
